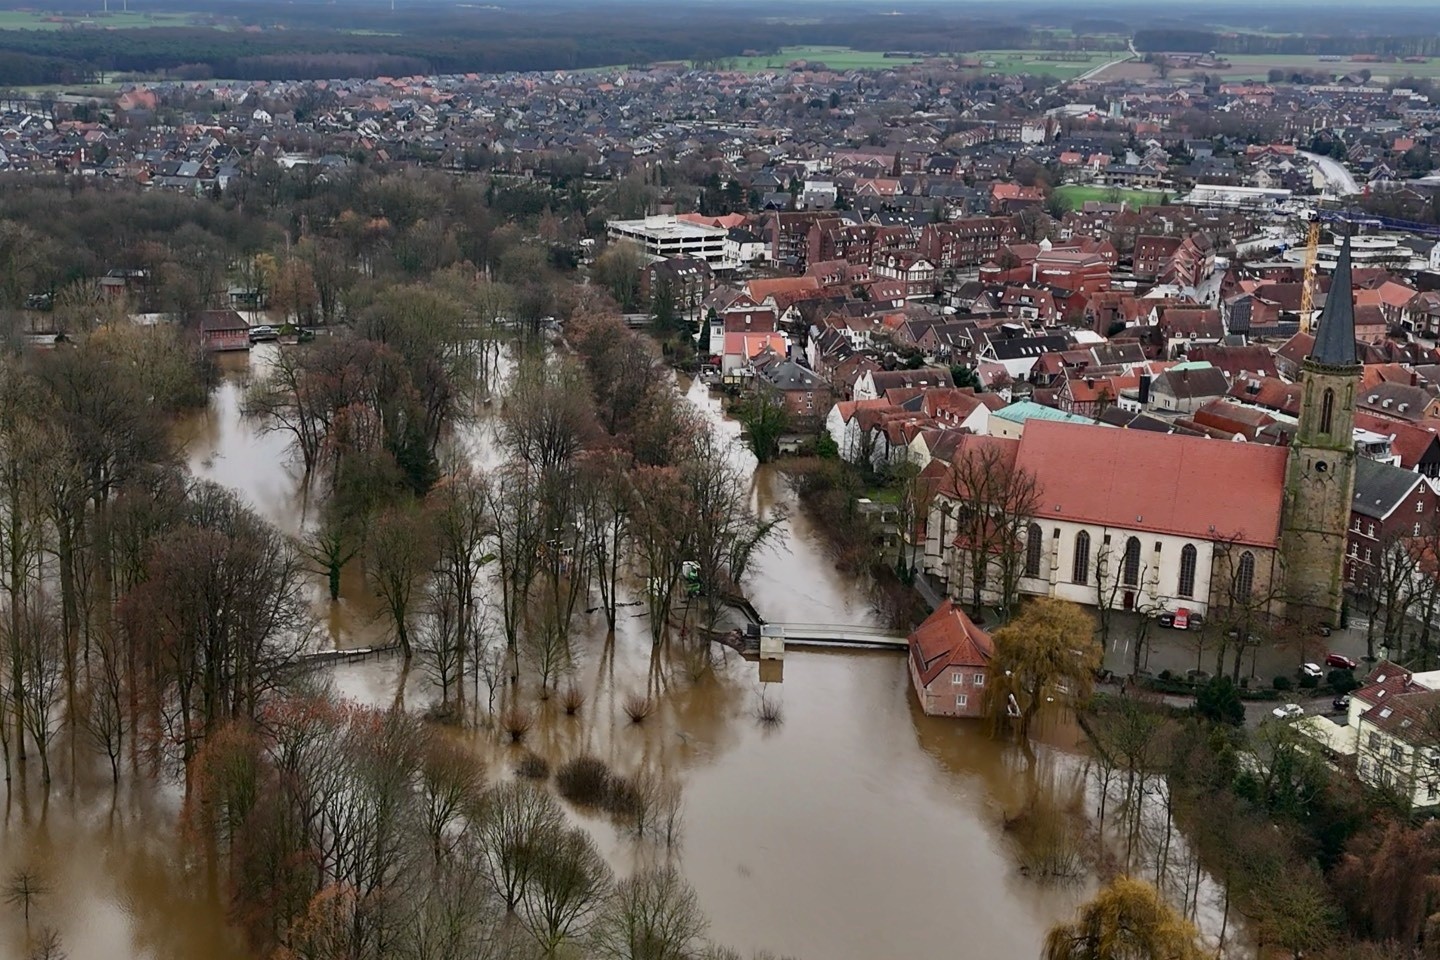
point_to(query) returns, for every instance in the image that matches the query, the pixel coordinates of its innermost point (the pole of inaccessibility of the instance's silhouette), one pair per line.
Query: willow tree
(1126, 920)
(1045, 653)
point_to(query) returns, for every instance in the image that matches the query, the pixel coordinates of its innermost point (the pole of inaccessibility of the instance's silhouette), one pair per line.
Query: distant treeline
(1203, 41)
(467, 39)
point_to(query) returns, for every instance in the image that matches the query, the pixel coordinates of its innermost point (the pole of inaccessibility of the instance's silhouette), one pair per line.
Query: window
(1419, 506)
(1370, 530)
(1245, 575)
(1373, 742)
(1032, 551)
(957, 677)
(1364, 768)
(1327, 410)
(1431, 789)
(1417, 529)
(1187, 571)
(979, 679)
(1396, 754)
(961, 701)
(1080, 570)
(1131, 568)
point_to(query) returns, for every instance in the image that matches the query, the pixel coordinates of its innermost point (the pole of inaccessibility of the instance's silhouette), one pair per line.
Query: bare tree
(515, 821)
(462, 526)
(567, 890)
(399, 553)
(605, 509)
(997, 501)
(652, 915)
(22, 888)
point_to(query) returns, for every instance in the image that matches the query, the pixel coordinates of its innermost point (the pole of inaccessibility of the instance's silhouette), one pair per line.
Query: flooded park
(854, 827)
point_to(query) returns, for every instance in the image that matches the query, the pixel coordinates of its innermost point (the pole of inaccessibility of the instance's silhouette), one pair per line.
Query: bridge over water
(836, 635)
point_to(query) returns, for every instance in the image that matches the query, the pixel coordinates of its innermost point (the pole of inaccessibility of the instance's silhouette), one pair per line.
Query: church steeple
(1320, 473)
(1335, 342)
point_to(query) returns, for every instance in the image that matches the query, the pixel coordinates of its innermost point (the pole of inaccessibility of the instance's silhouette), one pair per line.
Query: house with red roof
(1389, 732)
(950, 663)
(740, 348)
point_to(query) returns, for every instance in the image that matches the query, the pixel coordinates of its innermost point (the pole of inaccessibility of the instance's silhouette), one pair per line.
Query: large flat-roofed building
(664, 237)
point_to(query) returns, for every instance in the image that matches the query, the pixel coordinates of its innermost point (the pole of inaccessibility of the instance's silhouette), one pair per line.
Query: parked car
(1311, 670)
(1181, 619)
(1341, 702)
(1288, 712)
(263, 333)
(1340, 661)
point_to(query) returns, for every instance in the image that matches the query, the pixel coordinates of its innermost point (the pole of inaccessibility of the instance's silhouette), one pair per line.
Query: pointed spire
(1335, 343)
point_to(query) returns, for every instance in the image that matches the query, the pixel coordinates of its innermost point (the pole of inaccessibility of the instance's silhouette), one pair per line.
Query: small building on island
(949, 663)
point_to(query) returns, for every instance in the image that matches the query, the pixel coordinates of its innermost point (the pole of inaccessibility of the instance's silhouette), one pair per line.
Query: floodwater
(855, 828)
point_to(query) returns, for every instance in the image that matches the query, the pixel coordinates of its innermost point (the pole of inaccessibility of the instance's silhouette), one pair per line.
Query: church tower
(1320, 472)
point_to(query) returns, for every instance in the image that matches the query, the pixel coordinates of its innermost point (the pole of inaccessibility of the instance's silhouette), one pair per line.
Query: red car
(1340, 661)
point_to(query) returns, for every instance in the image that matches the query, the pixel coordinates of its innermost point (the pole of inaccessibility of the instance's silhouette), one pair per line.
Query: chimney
(1144, 388)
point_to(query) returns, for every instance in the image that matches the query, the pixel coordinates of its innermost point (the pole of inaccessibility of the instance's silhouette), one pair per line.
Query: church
(1137, 520)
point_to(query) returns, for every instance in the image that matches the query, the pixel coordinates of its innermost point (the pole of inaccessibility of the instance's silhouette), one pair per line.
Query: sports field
(1076, 195)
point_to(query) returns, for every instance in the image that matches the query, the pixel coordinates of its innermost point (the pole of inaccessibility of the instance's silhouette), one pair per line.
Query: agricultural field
(1035, 62)
(99, 20)
(1076, 195)
(837, 58)
(1258, 67)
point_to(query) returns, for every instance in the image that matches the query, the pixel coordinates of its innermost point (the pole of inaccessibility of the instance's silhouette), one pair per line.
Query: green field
(99, 20)
(1076, 195)
(837, 58)
(1017, 62)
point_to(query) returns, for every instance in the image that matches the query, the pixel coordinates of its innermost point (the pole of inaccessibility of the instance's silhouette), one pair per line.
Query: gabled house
(950, 663)
(222, 330)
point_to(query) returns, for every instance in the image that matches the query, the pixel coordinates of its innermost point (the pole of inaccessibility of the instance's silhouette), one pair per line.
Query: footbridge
(839, 635)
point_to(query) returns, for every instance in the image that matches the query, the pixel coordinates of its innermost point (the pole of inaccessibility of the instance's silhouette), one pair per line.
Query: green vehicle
(690, 575)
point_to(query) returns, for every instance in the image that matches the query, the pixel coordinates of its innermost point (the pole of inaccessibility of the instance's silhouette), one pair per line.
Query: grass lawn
(97, 19)
(1077, 194)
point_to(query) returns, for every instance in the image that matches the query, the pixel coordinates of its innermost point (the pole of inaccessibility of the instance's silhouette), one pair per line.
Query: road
(1340, 179)
(1091, 74)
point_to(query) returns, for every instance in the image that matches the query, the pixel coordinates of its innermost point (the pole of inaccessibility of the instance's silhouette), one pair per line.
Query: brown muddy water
(854, 829)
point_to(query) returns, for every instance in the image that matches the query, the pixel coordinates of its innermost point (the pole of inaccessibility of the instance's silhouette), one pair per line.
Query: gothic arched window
(1080, 570)
(1327, 410)
(1131, 569)
(1245, 576)
(1032, 551)
(1187, 571)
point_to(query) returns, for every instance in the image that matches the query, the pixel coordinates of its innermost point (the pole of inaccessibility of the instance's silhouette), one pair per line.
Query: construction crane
(1307, 283)
(1312, 247)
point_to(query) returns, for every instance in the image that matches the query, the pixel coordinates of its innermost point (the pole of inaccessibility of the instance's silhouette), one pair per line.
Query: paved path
(1340, 179)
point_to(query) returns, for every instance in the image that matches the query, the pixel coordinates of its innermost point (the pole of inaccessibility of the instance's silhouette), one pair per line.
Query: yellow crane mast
(1307, 283)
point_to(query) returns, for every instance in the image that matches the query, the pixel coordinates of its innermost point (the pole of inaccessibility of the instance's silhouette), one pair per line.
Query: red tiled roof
(1164, 483)
(948, 638)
